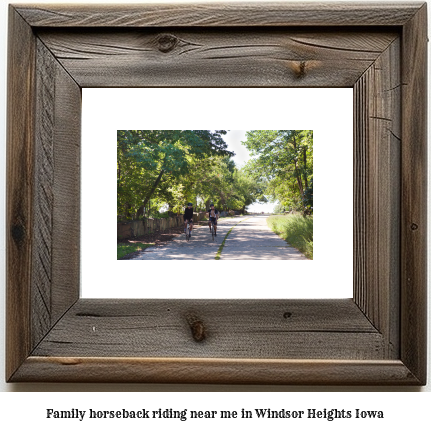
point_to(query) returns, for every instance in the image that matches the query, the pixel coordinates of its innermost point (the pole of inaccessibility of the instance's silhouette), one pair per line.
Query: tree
(247, 190)
(144, 157)
(285, 159)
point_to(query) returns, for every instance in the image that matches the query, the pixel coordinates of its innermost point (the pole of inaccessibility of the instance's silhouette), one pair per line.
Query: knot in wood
(197, 327)
(300, 69)
(18, 233)
(167, 42)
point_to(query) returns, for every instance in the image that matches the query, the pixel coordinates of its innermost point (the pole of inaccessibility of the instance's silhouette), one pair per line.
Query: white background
(404, 409)
(328, 112)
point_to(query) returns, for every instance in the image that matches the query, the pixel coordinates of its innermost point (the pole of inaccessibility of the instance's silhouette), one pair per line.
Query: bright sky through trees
(233, 138)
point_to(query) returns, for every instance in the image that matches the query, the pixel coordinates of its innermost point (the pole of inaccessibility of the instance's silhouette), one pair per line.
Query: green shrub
(296, 230)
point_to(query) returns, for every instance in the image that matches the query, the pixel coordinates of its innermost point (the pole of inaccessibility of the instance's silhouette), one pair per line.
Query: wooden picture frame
(376, 338)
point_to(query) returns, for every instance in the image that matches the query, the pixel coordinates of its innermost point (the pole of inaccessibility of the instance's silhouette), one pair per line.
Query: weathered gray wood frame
(378, 337)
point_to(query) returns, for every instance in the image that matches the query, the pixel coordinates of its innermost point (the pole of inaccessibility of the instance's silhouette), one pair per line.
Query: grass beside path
(124, 249)
(294, 229)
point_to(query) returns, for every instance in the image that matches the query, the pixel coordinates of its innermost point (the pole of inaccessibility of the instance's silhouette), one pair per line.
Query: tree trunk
(140, 211)
(297, 174)
(128, 212)
(305, 169)
(299, 179)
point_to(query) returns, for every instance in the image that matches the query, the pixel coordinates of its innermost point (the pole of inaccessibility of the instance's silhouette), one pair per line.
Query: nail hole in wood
(287, 314)
(414, 226)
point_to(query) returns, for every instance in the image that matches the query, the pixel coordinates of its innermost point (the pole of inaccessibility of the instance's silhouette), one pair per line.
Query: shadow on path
(250, 239)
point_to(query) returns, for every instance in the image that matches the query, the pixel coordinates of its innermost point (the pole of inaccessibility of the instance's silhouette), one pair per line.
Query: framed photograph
(377, 337)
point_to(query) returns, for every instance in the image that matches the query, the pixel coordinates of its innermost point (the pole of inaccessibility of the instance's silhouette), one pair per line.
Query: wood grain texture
(55, 278)
(377, 146)
(378, 338)
(43, 194)
(215, 371)
(268, 329)
(19, 199)
(414, 195)
(228, 58)
(67, 198)
(211, 14)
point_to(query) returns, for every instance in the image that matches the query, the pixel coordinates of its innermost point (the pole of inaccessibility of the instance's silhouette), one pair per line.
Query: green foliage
(247, 191)
(284, 158)
(153, 164)
(124, 249)
(157, 214)
(295, 229)
(159, 168)
(227, 187)
(168, 150)
(279, 208)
